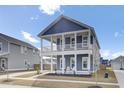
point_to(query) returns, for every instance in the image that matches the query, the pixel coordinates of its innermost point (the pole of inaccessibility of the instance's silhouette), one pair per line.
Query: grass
(52, 84)
(100, 77)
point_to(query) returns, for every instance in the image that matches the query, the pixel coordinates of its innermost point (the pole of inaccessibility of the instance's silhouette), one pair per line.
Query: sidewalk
(69, 81)
(13, 86)
(120, 77)
(16, 74)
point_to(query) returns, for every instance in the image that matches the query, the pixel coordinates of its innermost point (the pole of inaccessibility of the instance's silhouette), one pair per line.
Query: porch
(78, 40)
(78, 64)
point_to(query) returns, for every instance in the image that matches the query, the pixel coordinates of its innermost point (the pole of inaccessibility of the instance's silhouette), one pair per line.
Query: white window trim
(22, 49)
(72, 58)
(60, 65)
(1, 46)
(71, 45)
(83, 63)
(84, 40)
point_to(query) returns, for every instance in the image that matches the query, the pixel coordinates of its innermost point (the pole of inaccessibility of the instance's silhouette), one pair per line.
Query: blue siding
(79, 61)
(64, 25)
(67, 40)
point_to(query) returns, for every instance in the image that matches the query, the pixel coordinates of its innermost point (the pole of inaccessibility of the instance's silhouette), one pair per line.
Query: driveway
(120, 77)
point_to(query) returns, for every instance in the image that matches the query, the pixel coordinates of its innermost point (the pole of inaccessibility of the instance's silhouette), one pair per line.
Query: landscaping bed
(100, 77)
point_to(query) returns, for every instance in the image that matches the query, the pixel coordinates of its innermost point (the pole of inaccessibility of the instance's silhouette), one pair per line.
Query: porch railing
(79, 46)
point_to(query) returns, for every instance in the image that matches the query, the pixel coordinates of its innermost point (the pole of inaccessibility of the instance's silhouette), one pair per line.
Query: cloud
(105, 53)
(49, 8)
(116, 54)
(29, 37)
(119, 34)
(108, 54)
(34, 18)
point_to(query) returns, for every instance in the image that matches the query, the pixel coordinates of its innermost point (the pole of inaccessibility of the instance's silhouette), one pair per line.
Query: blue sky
(25, 22)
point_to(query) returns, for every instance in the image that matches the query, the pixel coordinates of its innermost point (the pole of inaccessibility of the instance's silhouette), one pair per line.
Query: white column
(63, 64)
(51, 63)
(41, 63)
(41, 44)
(89, 62)
(75, 34)
(89, 39)
(51, 43)
(63, 42)
(75, 62)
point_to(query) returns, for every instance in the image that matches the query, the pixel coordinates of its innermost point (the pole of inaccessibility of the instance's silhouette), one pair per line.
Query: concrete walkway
(16, 74)
(13, 86)
(69, 81)
(120, 77)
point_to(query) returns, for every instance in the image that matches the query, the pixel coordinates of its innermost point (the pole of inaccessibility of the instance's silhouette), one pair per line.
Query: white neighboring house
(118, 63)
(16, 54)
(73, 43)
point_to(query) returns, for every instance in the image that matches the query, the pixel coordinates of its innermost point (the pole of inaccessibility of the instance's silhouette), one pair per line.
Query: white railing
(66, 47)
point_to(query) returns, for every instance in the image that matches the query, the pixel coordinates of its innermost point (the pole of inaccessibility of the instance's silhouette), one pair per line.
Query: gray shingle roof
(16, 41)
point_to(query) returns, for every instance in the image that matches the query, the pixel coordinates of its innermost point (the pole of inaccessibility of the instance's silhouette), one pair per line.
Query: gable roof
(75, 24)
(16, 41)
(118, 59)
(64, 19)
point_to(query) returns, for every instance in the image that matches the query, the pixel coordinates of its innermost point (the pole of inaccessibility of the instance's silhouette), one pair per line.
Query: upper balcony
(67, 42)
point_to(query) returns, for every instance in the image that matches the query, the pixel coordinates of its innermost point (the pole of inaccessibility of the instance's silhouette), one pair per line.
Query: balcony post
(51, 43)
(63, 64)
(63, 42)
(41, 63)
(89, 62)
(41, 44)
(75, 34)
(89, 39)
(51, 63)
(75, 62)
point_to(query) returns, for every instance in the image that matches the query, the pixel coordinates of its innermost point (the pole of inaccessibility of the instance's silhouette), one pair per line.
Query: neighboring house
(118, 63)
(73, 43)
(16, 54)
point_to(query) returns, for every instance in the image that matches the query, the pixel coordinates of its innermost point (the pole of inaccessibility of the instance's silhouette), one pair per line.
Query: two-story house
(74, 44)
(16, 54)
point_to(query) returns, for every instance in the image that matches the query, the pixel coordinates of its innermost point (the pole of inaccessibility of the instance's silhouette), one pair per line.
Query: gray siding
(4, 45)
(16, 60)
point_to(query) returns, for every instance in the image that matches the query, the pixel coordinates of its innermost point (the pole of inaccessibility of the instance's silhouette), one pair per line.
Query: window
(60, 63)
(85, 41)
(22, 50)
(84, 62)
(91, 39)
(72, 42)
(72, 62)
(25, 49)
(33, 51)
(0, 47)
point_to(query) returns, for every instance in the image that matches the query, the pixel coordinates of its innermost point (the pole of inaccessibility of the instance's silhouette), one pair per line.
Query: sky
(26, 22)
